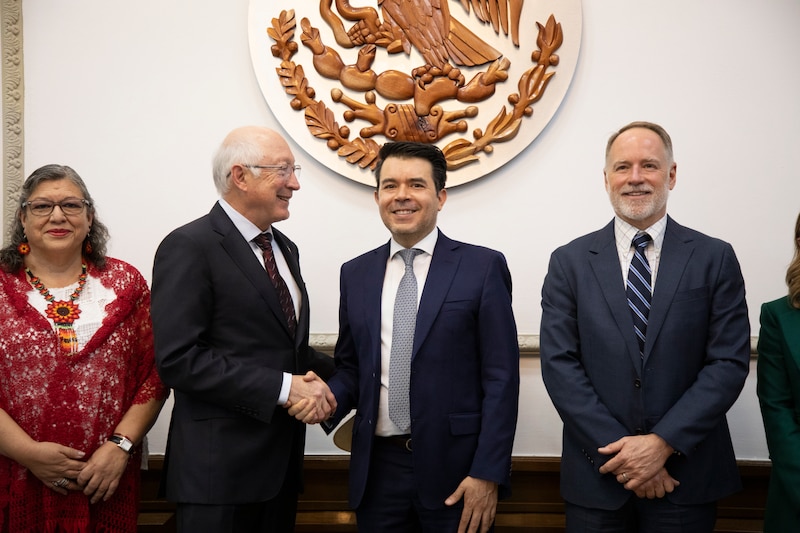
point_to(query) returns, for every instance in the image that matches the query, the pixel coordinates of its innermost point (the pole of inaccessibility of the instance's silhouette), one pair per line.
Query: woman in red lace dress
(78, 385)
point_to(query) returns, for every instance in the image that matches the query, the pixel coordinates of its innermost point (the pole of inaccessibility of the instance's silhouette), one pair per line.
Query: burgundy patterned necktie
(263, 241)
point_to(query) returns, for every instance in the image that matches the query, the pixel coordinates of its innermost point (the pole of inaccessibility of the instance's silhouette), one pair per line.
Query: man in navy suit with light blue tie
(434, 456)
(644, 349)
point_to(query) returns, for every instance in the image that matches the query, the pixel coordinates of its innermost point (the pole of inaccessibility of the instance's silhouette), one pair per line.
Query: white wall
(137, 95)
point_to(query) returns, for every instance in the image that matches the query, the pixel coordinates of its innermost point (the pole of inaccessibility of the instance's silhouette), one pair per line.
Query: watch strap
(123, 442)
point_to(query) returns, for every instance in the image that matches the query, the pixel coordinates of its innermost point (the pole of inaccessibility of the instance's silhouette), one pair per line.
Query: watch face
(125, 444)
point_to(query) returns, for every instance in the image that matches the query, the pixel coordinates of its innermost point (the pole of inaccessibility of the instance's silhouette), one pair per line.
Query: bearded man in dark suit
(643, 352)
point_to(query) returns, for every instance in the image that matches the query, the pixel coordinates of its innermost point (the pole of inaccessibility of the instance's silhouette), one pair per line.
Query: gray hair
(239, 151)
(10, 258)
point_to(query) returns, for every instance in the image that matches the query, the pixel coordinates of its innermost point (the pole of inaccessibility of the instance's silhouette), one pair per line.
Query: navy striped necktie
(639, 288)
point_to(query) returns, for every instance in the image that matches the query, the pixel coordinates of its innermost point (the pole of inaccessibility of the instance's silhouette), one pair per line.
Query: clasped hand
(310, 399)
(98, 477)
(638, 464)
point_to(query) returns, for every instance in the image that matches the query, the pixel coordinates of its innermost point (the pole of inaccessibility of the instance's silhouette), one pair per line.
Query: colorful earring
(24, 248)
(87, 245)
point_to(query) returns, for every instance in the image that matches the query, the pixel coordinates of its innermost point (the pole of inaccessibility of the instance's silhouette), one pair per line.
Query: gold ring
(624, 477)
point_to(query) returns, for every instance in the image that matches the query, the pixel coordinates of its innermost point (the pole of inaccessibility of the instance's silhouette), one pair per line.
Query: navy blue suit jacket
(465, 368)
(222, 344)
(696, 359)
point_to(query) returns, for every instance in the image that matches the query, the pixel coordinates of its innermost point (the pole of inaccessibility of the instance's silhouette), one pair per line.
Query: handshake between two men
(310, 399)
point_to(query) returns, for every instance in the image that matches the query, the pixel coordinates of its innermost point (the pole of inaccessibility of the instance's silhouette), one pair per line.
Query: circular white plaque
(492, 136)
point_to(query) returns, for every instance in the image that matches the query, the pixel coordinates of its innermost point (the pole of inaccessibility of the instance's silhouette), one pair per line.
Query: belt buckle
(407, 444)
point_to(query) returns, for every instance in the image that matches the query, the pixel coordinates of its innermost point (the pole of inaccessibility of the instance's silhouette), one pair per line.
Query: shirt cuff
(286, 386)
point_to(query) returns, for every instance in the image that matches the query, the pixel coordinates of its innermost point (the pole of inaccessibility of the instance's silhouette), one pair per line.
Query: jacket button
(637, 383)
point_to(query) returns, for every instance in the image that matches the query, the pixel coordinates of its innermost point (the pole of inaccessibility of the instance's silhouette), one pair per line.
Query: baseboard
(535, 504)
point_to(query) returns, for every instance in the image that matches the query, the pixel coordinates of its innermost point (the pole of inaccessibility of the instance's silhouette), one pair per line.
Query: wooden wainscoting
(156, 515)
(534, 506)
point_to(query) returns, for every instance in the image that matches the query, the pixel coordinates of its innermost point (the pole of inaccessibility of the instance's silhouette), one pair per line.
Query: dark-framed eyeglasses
(69, 206)
(283, 170)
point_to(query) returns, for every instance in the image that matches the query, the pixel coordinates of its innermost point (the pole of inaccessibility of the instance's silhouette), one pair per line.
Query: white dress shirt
(624, 234)
(250, 231)
(395, 268)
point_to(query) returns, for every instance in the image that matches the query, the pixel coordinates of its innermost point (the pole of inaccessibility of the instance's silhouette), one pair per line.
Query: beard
(637, 208)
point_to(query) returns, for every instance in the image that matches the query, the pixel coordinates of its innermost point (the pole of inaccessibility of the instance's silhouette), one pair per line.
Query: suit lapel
(370, 277)
(242, 255)
(789, 319)
(604, 261)
(290, 254)
(675, 254)
(444, 265)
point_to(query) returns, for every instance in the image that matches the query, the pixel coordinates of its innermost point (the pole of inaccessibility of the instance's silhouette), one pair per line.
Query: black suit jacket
(696, 359)
(222, 344)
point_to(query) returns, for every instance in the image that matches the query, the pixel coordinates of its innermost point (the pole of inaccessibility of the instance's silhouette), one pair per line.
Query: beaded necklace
(63, 313)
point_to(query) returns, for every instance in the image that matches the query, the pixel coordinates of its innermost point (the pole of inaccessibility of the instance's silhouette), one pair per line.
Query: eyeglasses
(69, 206)
(283, 170)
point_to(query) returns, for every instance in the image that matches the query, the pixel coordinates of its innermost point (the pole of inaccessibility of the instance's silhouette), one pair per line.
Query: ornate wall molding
(528, 344)
(13, 99)
(326, 342)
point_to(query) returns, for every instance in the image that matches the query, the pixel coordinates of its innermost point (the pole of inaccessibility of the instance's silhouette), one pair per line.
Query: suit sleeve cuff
(286, 386)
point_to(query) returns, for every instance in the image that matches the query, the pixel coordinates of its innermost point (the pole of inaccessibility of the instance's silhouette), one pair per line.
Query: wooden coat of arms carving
(478, 78)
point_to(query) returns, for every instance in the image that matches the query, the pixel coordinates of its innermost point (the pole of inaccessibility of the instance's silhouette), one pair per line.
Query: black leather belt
(400, 441)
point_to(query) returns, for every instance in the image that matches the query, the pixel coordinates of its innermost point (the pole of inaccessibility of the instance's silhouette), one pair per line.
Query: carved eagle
(428, 26)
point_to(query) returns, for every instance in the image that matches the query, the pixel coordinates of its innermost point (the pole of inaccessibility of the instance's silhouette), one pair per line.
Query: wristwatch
(124, 443)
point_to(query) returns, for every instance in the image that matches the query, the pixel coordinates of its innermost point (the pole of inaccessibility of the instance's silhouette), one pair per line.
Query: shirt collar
(624, 233)
(426, 244)
(248, 230)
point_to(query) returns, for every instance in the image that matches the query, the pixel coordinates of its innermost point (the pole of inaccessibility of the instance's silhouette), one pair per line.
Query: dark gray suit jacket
(222, 344)
(695, 363)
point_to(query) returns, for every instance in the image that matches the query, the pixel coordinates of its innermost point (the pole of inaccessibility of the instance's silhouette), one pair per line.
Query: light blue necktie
(403, 326)
(639, 288)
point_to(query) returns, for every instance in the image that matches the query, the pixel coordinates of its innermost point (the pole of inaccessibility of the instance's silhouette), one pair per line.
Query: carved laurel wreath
(321, 121)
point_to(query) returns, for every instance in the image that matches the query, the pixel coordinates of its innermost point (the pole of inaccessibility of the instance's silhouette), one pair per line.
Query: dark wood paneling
(156, 515)
(535, 504)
